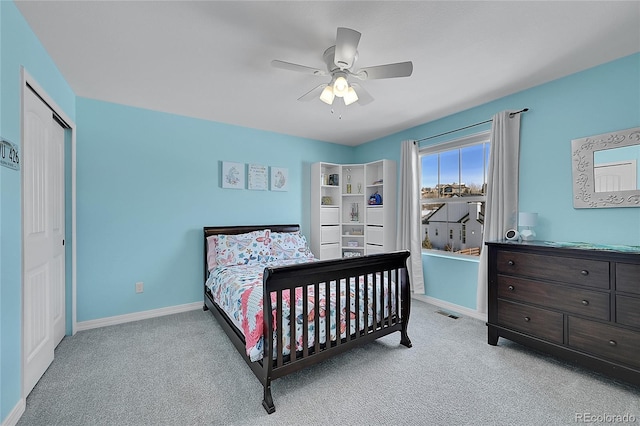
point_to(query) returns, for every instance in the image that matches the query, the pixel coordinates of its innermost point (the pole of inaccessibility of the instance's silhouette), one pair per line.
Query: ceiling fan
(340, 60)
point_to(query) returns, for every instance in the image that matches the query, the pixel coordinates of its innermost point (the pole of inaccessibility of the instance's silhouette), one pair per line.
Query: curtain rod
(471, 125)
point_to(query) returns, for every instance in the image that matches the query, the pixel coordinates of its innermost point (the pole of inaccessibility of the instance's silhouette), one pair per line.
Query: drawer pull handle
(585, 302)
(527, 319)
(511, 263)
(612, 343)
(511, 288)
(584, 272)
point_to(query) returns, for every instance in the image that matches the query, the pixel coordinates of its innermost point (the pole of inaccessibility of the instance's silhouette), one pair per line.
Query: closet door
(43, 237)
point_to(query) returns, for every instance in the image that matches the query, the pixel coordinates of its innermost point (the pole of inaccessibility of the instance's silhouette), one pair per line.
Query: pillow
(290, 245)
(211, 252)
(244, 249)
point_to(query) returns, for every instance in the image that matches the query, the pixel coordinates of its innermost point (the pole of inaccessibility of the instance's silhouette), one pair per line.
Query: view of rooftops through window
(453, 190)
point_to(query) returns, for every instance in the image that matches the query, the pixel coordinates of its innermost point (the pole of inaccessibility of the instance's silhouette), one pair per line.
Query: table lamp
(527, 221)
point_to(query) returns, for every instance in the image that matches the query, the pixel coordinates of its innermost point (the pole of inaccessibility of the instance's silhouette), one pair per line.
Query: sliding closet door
(43, 237)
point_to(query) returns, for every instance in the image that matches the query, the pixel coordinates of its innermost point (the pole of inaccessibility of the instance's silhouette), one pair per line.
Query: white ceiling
(211, 59)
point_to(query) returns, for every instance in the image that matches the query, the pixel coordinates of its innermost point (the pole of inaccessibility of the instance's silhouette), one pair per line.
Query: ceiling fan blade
(364, 97)
(346, 47)
(295, 67)
(313, 93)
(400, 69)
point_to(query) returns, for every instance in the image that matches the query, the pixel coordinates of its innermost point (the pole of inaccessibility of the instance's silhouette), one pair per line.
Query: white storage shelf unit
(343, 223)
(325, 210)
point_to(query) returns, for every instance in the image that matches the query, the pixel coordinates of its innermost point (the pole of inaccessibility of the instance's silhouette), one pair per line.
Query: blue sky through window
(466, 165)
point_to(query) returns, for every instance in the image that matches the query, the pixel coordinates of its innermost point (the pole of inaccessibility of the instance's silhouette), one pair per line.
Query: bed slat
(347, 308)
(293, 341)
(366, 309)
(327, 314)
(374, 296)
(338, 313)
(278, 327)
(397, 287)
(357, 306)
(305, 321)
(316, 315)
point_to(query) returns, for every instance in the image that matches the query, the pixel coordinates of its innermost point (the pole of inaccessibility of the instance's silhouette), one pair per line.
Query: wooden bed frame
(318, 274)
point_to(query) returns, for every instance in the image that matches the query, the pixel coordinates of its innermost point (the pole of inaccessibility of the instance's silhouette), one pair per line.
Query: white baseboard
(15, 414)
(136, 316)
(451, 307)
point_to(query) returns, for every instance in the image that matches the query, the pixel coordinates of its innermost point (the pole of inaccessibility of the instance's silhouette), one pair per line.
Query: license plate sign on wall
(9, 155)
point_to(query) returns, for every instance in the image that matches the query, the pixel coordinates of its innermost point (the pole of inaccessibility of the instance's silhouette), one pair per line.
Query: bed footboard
(384, 303)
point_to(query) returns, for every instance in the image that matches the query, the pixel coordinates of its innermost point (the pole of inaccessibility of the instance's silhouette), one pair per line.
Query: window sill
(449, 255)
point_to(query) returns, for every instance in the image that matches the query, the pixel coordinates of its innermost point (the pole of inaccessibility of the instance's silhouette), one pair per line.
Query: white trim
(137, 316)
(15, 414)
(462, 142)
(451, 307)
(450, 255)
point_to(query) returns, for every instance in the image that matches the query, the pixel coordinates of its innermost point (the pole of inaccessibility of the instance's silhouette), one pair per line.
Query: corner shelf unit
(343, 223)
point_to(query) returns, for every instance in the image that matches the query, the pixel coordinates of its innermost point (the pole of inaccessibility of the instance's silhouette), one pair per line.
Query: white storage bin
(373, 249)
(330, 251)
(330, 234)
(375, 235)
(329, 215)
(375, 216)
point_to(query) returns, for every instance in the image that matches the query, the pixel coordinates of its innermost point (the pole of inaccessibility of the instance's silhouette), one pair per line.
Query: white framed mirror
(606, 170)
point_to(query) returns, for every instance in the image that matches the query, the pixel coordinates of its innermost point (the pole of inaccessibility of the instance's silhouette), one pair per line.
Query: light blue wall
(147, 184)
(447, 278)
(595, 101)
(19, 47)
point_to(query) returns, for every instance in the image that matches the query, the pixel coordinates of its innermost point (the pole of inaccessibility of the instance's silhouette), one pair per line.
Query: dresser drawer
(628, 311)
(375, 235)
(535, 321)
(375, 216)
(329, 215)
(592, 273)
(589, 303)
(628, 277)
(330, 251)
(373, 249)
(329, 234)
(605, 340)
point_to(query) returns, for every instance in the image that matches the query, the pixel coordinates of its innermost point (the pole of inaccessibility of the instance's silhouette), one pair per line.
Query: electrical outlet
(139, 287)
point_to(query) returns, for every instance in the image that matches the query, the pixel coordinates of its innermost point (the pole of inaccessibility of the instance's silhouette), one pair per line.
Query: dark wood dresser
(573, 301)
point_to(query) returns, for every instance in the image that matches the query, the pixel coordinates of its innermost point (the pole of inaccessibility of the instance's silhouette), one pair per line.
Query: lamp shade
(350, 97)
(327, 95)
(340, 87)
(527, 219)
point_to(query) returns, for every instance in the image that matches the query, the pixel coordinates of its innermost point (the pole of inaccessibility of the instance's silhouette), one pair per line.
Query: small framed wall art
(232, 175)
(257, 177)
(279, 179)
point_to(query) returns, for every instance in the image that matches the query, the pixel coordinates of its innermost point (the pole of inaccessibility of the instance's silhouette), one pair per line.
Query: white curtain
(501, 208)
(408, 237)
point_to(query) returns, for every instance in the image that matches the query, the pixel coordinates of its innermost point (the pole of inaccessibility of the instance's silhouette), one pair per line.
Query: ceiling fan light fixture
(350, 97)
(340, 86)
(327, 95)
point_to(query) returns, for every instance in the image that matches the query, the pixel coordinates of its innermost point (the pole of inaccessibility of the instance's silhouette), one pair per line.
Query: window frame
(457, 143)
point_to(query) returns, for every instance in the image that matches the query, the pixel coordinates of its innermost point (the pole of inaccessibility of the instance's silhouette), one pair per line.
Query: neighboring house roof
(433, 217)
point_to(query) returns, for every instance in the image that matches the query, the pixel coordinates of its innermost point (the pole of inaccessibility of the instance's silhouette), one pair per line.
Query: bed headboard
(242, 229)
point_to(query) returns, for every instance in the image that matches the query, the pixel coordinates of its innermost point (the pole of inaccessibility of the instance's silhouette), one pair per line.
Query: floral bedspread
(238, 291)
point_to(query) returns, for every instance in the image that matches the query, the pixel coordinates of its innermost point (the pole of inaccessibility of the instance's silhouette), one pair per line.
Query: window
(453, 193)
